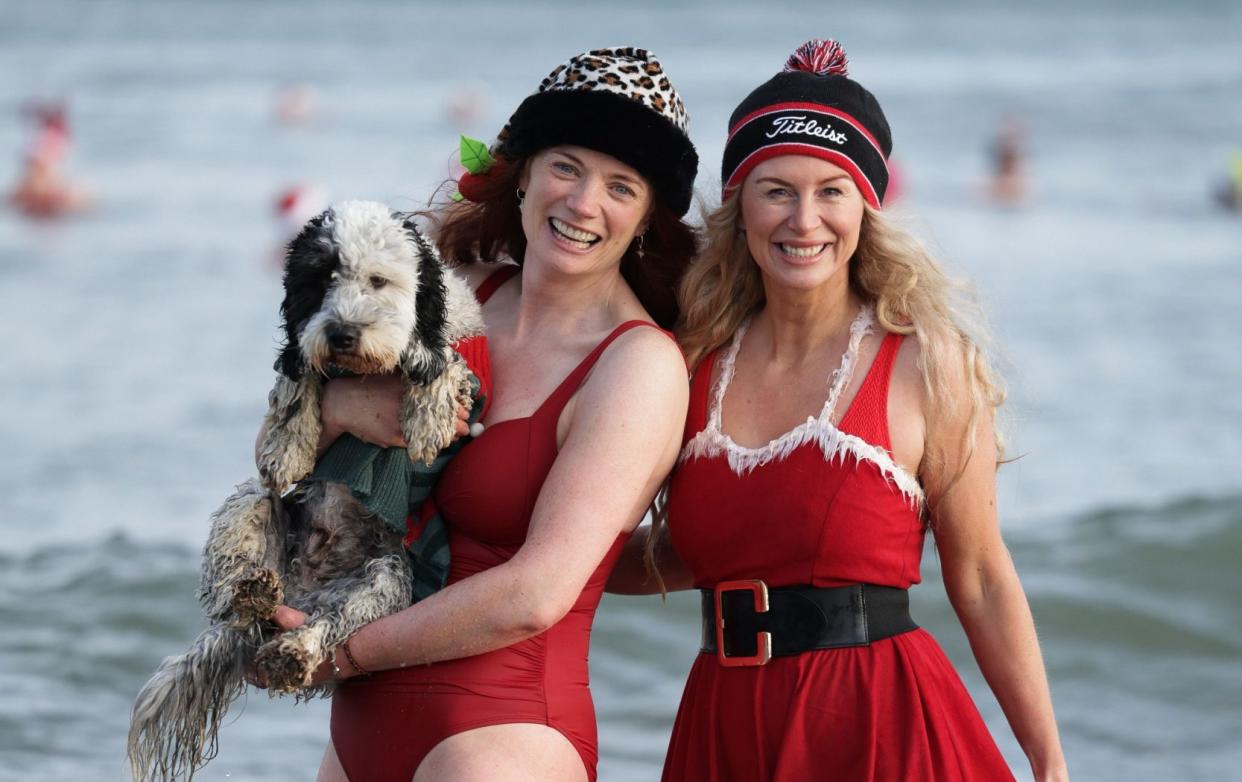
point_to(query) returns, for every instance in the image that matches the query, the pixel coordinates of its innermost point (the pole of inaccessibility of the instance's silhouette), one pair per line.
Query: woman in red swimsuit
(838, 410)
(576, 242)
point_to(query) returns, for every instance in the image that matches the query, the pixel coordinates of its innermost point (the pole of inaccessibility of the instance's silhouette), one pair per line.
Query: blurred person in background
(296, 103)
(294, 206)
(1007, 185)
(1228, 193)
(42, 190)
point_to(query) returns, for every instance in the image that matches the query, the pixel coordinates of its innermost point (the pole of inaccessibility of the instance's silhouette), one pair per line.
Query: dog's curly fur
(364, 292)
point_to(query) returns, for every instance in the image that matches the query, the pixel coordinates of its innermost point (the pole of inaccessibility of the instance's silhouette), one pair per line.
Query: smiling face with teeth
(802, 217)
(582, 208)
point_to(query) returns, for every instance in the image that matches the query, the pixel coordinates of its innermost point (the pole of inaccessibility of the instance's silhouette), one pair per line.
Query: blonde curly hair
(891, 270)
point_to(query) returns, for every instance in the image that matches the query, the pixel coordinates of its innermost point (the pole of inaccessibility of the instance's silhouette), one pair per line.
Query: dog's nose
(342, 337)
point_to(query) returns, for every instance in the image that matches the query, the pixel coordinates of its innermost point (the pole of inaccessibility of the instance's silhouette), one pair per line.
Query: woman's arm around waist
(632, 576)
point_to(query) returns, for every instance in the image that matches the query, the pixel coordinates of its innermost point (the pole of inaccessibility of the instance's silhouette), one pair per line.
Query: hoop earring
(521, 194)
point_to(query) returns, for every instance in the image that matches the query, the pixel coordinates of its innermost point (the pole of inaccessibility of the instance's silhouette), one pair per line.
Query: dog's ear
(310, 261)
(425, 357)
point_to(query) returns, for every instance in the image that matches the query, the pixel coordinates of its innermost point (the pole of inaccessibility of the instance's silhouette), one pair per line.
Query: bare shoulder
(643, 363)
(647, 347)
(908, 366)
(952, 374)
(629, 413)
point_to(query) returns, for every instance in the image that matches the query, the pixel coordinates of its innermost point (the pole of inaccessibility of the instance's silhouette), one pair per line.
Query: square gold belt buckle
(763, 640)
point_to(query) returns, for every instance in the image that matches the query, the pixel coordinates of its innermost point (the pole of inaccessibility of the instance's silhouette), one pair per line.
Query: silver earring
(521, 194)
(640, 245)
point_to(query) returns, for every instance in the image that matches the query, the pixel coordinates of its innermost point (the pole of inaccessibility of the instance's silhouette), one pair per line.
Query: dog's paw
(428, 446)
(257, 596)
(287, 452)
(430, 426)
(286, 664)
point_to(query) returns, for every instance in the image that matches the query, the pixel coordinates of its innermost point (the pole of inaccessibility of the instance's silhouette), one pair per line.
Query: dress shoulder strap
(494, 281)
(867, 417)
(556, 402)
(700, 396)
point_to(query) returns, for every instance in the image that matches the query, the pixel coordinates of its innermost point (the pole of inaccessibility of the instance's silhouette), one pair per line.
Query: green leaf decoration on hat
(474, 156)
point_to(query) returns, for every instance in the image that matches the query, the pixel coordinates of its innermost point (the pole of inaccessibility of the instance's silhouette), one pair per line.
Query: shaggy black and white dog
(365, 293)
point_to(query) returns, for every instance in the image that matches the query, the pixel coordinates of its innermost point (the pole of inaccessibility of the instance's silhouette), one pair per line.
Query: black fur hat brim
(615, 125)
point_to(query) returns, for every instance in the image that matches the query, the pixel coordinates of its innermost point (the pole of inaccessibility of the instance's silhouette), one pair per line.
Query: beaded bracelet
(350, 656)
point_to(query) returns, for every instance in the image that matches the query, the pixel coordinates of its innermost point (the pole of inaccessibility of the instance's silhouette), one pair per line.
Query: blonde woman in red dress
(839, 410)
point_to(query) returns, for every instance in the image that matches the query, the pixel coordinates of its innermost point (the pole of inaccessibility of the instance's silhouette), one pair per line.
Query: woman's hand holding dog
(287, 618)
(368, 407)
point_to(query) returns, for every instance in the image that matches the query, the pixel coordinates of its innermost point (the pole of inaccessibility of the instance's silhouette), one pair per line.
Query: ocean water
(139, 337)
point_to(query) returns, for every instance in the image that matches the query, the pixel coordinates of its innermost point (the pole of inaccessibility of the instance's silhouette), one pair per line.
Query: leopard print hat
(617, 101)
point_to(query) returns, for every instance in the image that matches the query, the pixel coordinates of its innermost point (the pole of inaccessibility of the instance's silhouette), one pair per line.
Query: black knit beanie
(617, 101)
(811, 108)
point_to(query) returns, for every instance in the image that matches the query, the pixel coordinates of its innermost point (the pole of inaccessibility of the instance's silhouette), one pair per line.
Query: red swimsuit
(383, 725)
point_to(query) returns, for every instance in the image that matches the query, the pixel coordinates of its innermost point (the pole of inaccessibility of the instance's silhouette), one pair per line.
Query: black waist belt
(754, 623)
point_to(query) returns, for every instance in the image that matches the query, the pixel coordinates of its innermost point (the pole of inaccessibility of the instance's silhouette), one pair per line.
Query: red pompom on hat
(819, 56)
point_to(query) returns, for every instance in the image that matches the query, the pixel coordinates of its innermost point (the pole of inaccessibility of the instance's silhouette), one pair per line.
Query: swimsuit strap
(494, 281)
(868, 414)
(567, 388)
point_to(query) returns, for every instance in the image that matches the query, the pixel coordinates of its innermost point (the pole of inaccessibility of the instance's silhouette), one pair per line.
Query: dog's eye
(377, 281)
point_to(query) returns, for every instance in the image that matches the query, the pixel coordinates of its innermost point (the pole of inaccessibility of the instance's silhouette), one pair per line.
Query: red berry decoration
(473, 187)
